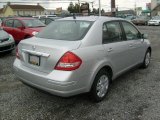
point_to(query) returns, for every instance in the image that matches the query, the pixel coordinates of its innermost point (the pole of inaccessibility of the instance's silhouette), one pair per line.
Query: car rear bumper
(66, 85)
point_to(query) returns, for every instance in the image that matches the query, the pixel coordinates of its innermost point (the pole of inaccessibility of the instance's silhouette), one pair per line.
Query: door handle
(110, 49)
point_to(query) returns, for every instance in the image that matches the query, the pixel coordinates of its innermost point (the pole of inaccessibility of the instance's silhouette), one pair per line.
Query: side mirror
(145, 36)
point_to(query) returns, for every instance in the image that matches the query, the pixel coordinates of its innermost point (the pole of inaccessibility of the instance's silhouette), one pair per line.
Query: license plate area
(34, 60)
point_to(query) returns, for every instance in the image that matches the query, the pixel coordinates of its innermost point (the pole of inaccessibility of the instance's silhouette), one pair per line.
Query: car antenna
(74, 16)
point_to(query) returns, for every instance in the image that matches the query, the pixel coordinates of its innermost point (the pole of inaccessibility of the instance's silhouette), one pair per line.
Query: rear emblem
(33, 47)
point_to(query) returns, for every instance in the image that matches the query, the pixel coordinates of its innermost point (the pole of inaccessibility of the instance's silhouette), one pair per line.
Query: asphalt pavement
(133, 96)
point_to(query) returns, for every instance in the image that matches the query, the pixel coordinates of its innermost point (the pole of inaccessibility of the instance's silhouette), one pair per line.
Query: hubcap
(147, 60)
(102, 86)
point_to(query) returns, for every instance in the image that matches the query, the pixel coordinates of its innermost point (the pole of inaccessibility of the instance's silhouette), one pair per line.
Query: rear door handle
(110, 49)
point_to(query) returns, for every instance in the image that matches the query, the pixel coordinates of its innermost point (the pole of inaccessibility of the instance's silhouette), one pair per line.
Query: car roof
(21, 18)
(91, 18)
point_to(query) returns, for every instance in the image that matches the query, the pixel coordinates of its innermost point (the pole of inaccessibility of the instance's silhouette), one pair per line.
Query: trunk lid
(46, 52)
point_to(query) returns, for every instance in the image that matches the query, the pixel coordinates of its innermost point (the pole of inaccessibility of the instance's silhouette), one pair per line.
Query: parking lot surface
(133, 96)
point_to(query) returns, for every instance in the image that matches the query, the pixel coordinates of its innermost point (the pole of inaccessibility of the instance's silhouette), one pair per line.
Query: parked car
(81, 54)
(130, 18)
(140, 20)
(48, 20)
(154, 21)
(6, 41)
(2, 19)
(21, 28)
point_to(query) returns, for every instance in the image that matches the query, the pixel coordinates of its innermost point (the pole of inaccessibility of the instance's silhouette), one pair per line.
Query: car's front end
(32, 26)
(6, 42)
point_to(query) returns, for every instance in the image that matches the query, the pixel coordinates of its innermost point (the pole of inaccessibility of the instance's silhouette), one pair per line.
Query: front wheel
(100, 86)
(147, 59)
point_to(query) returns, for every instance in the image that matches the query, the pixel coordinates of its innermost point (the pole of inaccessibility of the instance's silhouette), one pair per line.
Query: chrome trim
(36, 53)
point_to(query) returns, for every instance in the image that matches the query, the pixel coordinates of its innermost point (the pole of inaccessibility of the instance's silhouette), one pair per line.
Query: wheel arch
(108, 68)
(150, 49)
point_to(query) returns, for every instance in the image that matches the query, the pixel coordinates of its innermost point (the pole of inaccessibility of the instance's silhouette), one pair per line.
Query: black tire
(94, 92)
(146, 63)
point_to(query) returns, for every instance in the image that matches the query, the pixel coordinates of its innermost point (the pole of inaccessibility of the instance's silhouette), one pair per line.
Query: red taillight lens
(68, 62)
(17, 53)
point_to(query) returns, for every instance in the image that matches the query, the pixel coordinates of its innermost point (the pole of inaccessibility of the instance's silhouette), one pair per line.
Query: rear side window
(112, 32)
(131, 32)
(9, 23)
(69, 30)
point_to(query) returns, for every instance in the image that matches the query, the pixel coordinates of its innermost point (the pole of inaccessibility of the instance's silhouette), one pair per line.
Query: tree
(95, 11)
(71, 8)
(76, 8)
(102, 11)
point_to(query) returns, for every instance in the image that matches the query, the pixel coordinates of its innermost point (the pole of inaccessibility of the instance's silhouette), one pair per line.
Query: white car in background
(154, 21)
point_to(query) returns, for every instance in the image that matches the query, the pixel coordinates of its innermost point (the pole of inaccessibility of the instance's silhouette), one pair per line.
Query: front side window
(17, 24)
(69, 30)
(9, 23)
(112, 32)
(131, 32)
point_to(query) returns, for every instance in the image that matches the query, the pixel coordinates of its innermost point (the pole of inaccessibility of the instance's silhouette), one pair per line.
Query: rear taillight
(17, 53)
(68, 62)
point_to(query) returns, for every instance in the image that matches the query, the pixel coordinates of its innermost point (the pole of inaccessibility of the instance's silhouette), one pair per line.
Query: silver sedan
(81, 54)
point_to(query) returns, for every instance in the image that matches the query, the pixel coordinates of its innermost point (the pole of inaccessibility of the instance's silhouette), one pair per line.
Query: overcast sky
(52, 4)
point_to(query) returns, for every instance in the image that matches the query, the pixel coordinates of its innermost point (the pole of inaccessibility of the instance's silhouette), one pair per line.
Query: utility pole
(92, 5)
(79, 6)
(135, 8)
(99, 7)
(113, 8)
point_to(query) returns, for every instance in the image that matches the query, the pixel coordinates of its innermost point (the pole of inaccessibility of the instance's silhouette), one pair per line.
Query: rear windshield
(65, 30)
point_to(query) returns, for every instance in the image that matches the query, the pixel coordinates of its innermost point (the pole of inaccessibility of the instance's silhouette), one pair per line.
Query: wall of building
(8, 12)
(156, 12)
(28, 12)
(154, 3)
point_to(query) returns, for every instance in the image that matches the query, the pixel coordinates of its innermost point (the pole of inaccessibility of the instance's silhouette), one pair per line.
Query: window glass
(69, 30)
(17, 24)
(131, 32)
(42, 20)
(48, 21)
(9, 23)
(112, 32)
(33, 23)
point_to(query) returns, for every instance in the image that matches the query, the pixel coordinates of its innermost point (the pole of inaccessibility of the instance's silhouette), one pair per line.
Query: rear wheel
(147, 59)
(100, 86)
